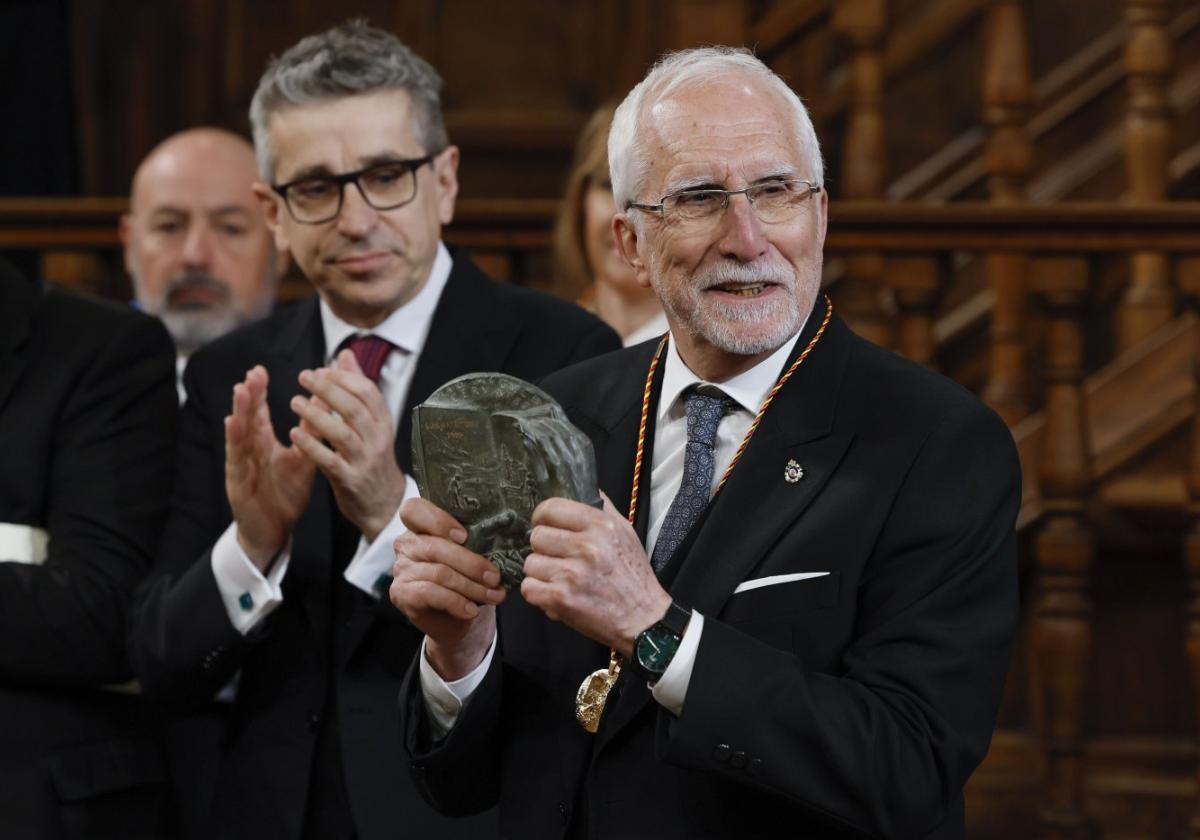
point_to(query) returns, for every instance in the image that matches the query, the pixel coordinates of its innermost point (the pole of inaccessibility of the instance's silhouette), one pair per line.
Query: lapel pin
(793, 472)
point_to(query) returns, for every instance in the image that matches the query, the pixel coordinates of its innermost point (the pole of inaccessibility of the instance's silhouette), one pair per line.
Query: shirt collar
(748, 388)
(407, 327)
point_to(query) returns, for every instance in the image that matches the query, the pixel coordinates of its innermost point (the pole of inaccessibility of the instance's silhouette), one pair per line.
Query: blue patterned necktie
(704, 413)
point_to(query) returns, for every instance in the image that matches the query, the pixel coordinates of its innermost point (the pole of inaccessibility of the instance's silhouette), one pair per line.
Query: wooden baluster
(1189, 287)
(1061, 632)
(1008, 158)
(1148, 301)
(860, 294)
(915, 281)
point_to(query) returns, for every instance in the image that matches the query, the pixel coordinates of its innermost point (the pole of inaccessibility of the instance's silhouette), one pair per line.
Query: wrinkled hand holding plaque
(487, 449)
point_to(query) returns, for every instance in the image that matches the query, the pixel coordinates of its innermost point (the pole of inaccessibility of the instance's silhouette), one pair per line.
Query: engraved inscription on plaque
(488, 448)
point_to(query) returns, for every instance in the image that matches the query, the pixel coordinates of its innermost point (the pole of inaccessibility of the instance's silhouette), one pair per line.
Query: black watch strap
(676, 620)
(655, 647)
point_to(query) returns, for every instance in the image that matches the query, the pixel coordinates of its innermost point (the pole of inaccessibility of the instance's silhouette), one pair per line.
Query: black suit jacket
(184, 647)
(856, 703)
(87, 424)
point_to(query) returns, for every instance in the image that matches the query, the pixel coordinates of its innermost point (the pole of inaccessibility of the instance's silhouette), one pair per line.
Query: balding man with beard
(203, 261)
(196, 245)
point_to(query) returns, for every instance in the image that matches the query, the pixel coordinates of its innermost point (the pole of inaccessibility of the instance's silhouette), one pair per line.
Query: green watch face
(656, 648)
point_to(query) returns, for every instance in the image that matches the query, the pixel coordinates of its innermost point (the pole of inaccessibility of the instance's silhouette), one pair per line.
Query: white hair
(627, 161)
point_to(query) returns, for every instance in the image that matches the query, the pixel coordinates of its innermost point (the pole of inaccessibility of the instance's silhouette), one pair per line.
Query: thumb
(346, 360)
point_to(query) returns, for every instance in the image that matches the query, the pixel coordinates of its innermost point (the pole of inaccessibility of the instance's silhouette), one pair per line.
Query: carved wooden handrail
(911, 43)
(1060, 94)
(786, 22)
(86, 222)
(1076, 227)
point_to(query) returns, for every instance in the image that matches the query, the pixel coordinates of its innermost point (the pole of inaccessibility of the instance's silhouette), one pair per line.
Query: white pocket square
(773, 580)
(23, 543)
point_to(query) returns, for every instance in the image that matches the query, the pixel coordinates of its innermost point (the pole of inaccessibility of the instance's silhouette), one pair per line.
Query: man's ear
(271, 205)
(445, 170)
(628, 242)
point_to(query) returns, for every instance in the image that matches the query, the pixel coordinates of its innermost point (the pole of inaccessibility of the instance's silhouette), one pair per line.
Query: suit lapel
(18, 302)
(468, 333)
(615, 456)
(758, 504)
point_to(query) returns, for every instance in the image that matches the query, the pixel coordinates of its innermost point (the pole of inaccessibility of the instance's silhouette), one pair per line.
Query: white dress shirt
(653, 328)
(248, 595)
(444, 700)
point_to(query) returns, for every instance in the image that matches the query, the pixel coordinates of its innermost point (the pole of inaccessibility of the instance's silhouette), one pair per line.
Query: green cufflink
(245, 601)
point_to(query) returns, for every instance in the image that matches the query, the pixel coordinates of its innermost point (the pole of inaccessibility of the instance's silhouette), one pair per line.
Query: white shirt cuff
(249, 597)
(672, 686)
(23, 544)
(371, 567)
(445, 700)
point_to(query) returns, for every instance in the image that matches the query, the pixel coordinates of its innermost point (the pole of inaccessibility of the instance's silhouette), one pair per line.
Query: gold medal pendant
(593, 693)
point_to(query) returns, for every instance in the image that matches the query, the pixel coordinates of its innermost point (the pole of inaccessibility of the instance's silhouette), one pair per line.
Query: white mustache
(197, 280)
(726, 273)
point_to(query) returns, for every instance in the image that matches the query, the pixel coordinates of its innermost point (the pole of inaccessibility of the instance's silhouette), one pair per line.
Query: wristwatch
(654, 647)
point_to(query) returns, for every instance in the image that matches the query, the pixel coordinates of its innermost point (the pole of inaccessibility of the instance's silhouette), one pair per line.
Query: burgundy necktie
(371, 351)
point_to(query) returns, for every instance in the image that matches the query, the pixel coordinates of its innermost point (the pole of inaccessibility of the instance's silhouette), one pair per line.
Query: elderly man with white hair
(793, 616)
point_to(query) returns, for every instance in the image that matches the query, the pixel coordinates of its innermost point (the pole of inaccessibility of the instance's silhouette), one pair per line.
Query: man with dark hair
(279, 545)
(794, 616)
(87, 416)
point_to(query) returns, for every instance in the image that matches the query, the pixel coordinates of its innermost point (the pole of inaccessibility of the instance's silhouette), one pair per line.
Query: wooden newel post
(1061, 632)
(860, 294)
(1008, 158)
(1189, 288)
(1148, 302)
(916, 283)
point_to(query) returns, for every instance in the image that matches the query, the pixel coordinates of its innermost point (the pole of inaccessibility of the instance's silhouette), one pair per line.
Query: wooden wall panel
(521, 77)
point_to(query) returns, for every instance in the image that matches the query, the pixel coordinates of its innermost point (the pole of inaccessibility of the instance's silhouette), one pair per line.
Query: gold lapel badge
(793, 472)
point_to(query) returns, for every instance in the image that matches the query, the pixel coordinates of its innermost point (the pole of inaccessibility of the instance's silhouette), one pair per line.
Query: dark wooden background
(1000, 171)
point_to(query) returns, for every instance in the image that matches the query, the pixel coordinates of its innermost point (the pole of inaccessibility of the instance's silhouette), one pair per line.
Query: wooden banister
(1007, 96)
(859, 295)
(1064, 549)
(1149, 301)
(1070, 227)
(1060, 94)
(785, 23)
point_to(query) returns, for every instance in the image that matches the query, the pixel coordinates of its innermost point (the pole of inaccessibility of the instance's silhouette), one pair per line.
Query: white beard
(744, 328)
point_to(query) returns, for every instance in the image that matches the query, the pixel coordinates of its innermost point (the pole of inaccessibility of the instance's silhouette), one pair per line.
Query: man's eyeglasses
(384, 186)
(773, 201)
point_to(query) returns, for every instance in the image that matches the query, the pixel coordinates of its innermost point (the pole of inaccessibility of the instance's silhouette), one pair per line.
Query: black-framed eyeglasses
(314, 200)
(773, 201)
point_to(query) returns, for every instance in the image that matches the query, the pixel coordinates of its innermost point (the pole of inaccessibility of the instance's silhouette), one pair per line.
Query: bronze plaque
(487, 449)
